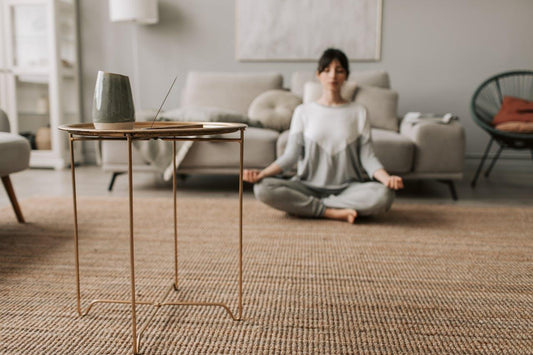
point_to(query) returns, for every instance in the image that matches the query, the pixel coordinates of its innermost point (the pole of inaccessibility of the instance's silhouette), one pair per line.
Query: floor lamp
(144, 12)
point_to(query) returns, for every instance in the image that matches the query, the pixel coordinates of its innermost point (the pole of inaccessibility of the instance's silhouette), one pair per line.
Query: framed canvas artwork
(300, 30)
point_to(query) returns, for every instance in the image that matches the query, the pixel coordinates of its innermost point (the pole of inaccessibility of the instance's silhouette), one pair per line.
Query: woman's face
(333, 76)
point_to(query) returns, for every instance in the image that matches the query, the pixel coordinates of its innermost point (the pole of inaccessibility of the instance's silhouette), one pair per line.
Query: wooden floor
(511, 183)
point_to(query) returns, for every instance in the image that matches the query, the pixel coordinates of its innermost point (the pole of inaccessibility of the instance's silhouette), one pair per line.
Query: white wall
(436, 52)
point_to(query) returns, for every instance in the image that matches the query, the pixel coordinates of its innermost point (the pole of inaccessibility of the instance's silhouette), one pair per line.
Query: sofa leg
(451, 186)
(473, 183)
(112, 182)
(487, 173)
(13, 198)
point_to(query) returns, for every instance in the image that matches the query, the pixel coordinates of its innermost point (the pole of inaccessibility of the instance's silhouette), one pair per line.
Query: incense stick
(165, 99)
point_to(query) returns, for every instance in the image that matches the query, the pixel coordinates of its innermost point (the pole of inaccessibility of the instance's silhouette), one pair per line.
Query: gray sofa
(420, 150)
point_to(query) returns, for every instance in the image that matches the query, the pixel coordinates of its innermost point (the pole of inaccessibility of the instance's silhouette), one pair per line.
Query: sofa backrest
(230, 91)
(378, 78)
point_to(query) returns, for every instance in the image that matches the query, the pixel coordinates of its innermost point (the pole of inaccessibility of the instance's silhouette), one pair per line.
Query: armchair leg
(112, 182)
(487, 173)
(451, 186)
(473, 183)
(13, 198)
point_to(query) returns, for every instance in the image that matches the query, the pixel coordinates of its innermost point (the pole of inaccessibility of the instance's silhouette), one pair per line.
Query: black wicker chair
(486, 103)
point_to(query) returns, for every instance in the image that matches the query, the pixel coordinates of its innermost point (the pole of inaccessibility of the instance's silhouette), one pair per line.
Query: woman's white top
(331, 144)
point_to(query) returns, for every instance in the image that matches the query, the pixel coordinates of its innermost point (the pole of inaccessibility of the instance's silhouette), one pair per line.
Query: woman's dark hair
(329, 56)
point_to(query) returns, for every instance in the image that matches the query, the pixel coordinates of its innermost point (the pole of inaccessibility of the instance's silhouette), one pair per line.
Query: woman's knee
(265, 190)
(260, 190)
(384, 198)
(379, 199)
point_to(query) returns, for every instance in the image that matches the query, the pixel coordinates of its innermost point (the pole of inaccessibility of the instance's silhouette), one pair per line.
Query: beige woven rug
(421, 279)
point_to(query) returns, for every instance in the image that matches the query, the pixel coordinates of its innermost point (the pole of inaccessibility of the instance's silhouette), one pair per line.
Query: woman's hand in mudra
(251, 175)
(394, 182)
(254, 175)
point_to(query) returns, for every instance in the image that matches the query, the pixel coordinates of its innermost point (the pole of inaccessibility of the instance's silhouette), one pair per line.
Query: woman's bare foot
(346, 214)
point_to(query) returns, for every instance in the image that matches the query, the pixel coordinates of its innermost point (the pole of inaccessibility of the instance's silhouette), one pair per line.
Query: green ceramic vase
(113, 102)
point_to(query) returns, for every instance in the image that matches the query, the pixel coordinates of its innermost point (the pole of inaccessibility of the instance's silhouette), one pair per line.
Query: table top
(159, 129)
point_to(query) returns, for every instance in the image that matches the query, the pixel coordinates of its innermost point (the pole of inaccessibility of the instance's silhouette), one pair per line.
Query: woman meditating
(330, 141)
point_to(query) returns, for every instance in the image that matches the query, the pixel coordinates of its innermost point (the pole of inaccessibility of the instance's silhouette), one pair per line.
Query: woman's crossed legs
(294, 197)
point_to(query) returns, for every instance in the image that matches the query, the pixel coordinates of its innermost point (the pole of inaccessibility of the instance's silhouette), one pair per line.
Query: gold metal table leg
(175, 216)
(132, 250)
(75, 206)
(241, 143)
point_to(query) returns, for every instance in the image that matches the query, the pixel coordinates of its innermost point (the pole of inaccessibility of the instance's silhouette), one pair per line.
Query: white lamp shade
(142, 11)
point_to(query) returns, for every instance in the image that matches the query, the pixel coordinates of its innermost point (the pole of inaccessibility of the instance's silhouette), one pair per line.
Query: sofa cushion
(381, 106)
(14, 153)
(274, 108)
(394, 151)
(377, 78)
(232, 91)
(313, 91)
(259, 151)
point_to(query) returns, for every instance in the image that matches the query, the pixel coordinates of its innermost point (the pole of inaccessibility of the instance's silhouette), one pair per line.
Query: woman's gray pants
(294, 197)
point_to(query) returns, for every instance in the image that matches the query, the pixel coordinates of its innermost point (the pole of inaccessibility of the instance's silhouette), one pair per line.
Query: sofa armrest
(439, 148)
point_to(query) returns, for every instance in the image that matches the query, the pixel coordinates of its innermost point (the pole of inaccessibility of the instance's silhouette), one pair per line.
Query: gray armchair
(14, 157)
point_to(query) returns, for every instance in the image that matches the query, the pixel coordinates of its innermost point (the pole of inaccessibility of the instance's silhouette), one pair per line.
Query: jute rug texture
(440, 279)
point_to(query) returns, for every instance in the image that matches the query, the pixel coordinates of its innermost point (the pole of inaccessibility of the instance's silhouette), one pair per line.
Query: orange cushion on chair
(514, 109)
(517, 127)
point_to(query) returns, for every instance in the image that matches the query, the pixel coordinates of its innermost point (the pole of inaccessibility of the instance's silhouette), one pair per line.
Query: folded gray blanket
(159, 153)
